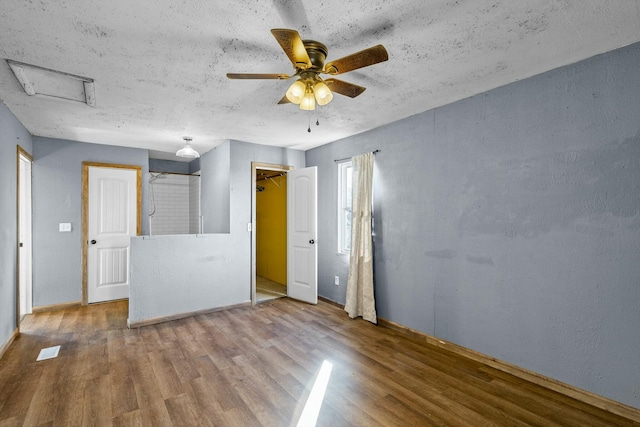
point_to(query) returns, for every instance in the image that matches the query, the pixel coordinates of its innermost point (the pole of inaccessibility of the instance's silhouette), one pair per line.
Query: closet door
(302, 253)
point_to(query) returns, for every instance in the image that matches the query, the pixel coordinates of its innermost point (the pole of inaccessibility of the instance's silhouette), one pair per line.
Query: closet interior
(271, 234)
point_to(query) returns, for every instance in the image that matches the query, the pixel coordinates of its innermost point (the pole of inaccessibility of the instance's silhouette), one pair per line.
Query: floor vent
(48, 353)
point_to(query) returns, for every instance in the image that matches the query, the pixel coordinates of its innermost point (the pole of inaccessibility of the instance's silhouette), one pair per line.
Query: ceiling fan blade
(284, 100)
(364, 58)
(292, 45)
(344, 88)
(243, 76)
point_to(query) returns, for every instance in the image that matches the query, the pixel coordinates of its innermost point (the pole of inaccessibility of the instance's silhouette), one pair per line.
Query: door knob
(312, 241)
(93, 242)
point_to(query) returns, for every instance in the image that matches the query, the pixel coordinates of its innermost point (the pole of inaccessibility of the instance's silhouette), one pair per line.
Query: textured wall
(509, 223)
(179, 274)
(12, 133)
(57, 197)
(215, 189)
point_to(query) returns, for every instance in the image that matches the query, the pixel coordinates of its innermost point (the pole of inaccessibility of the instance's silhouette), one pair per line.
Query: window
(344, 206)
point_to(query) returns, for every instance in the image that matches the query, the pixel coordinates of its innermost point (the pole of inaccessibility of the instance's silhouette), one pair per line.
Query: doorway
(24, 206)
(111, 214)
(270, 232)
(301, 231)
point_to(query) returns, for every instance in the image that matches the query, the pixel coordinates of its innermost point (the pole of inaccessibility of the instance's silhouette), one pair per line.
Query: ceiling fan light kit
(296, 92)
(308, 101)
(322, 93)
(307, 58)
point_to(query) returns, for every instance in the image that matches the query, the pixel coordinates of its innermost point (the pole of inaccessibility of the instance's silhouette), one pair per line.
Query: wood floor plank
(217, 393)
(205, 367)
(255, 366)
(43, 407)
(183, 412)
(11, 422)
(165, 374)
(239, 417)
(123, 392)
(128, 419)
(257, 372)
(21, 391)
(153, 411)
(97, 402)
(69, 398)
(254, 399)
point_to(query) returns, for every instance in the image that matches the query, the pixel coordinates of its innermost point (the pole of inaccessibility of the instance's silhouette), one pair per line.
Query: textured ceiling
(159, 66)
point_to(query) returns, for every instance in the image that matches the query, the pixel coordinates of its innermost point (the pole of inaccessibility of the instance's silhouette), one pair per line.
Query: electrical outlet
(337, 281)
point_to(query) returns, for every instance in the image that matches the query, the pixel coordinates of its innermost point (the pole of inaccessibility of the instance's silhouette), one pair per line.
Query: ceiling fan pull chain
(309, 123)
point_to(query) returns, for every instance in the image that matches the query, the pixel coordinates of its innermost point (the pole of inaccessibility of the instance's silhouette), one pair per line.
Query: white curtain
(360, 299)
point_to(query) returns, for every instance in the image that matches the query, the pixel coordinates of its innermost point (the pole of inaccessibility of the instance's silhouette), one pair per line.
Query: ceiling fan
(307, 57)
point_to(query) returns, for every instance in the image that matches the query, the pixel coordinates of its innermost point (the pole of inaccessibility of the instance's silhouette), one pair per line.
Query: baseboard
(585, 396)
(9, 341)
(54, 307)
(331, 302)
(156, 320)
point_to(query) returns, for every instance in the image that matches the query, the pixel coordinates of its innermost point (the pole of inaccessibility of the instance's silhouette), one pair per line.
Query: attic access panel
(56, 84)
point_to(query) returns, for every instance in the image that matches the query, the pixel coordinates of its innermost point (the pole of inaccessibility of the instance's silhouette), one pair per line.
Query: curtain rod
(347, 158)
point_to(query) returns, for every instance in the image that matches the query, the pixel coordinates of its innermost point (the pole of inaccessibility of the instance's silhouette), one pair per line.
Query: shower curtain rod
(347, 158)
(175, 173)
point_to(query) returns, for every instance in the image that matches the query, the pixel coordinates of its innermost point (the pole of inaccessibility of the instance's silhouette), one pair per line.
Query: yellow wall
(271, 230)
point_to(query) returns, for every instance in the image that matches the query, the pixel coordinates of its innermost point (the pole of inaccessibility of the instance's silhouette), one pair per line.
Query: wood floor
(256, 366)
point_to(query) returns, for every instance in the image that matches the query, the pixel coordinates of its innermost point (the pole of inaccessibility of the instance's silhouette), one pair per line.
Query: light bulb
(322, 93)
(295, 93)
(308, 101)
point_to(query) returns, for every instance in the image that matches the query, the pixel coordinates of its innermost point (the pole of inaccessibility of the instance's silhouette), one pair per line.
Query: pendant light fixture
(187, 151)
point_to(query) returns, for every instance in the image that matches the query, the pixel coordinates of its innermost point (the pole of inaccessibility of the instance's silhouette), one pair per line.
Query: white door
(26, 299)
(302, 253)
(112, 221)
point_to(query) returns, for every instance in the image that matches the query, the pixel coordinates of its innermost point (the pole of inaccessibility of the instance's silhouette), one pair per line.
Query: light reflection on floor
(309, 415)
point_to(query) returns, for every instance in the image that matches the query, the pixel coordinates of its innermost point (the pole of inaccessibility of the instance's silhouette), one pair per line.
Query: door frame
(254, 167)
(85, 212)
(21, 152)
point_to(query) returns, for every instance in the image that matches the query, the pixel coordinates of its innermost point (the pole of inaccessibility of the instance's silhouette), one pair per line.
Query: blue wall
(12, 134)
(509, 223)
(215, 189)
(57, 197)
(169, 166)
